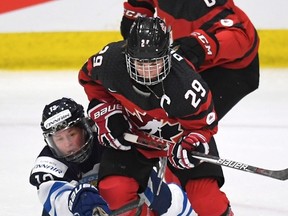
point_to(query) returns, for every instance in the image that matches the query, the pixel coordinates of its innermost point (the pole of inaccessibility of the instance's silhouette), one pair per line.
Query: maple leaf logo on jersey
(170, 131)
(166, 130)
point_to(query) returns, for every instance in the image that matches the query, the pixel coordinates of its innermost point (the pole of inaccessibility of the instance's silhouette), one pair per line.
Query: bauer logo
(233, 164)
(109, 109)
(56, 119)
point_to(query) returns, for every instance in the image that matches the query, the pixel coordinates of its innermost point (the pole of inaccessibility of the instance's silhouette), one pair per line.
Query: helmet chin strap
(154, 93)
(141, 92)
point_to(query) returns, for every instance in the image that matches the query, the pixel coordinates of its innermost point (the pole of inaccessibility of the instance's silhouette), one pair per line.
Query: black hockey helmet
(148, 43)
(60, 115)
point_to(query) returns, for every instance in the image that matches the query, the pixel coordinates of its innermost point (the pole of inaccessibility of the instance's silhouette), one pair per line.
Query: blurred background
(61, 34)
(43, 44)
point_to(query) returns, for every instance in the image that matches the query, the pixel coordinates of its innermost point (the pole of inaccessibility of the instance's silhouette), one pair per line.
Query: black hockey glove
(111, 124)
(200, 46)
(125, 26)
(84, 200)
(179, 154)
(132, 10)
(190, 48)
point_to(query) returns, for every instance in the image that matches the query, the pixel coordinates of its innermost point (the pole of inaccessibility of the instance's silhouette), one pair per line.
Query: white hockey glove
(179, 154)
(111, 124)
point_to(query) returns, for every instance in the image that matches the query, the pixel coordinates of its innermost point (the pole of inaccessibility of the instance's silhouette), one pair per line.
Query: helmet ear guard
(63, 114)
(148, 45)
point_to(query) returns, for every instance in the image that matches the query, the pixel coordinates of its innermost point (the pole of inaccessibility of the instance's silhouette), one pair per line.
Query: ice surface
(254, 132)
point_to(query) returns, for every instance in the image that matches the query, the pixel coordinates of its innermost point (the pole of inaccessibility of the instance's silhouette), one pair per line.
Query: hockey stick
(275, 174)
(134, 204)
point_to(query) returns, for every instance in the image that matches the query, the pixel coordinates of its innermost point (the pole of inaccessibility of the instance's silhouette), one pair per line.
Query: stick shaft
(132, 205)
(150, 141)
(276, 174)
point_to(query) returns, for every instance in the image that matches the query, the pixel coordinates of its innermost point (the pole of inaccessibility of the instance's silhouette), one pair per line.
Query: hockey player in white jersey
(66, 170)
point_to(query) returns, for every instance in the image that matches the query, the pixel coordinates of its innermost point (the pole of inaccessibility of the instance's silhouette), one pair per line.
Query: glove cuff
(103, 109)
(75, 194)
(84, 199)
(133, 12)
(198, 47)
(208, 42)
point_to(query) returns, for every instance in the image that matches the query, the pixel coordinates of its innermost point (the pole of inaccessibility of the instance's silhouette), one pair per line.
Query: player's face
(69, 140)
(149, 69)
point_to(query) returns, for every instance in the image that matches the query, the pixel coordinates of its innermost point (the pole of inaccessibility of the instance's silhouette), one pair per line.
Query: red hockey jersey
(230, 34)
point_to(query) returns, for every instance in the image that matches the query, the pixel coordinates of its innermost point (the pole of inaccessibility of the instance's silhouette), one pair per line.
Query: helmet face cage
(148, 56)
(61, 115)
(153, 71)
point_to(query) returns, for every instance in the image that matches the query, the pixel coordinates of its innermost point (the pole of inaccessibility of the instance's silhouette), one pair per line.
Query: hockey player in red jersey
(142, 86)
(216, 36)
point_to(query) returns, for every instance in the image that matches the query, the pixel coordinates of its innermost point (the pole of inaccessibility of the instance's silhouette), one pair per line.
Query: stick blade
(277, 174)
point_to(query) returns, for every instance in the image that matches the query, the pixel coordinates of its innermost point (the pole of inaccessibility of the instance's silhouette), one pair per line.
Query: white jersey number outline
(210, 3)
